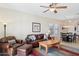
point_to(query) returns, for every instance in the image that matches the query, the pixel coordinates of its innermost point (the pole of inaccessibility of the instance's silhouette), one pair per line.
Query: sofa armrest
(10, 51)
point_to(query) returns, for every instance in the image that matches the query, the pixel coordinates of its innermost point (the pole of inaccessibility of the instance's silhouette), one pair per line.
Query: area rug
(54, 51)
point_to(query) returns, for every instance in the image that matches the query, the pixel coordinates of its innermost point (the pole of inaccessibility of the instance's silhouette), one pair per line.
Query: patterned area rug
(54, 51)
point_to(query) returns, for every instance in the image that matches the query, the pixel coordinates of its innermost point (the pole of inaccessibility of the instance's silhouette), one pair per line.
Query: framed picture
(36, 27)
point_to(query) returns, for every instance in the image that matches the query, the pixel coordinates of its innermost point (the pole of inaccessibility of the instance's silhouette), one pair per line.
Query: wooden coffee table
(49, 43)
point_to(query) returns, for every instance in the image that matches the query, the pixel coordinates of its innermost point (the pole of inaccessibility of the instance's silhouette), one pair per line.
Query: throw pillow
(45, 37)
(12, 42)
(33, 38)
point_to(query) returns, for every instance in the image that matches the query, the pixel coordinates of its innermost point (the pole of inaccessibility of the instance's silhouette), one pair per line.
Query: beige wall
(19, 24)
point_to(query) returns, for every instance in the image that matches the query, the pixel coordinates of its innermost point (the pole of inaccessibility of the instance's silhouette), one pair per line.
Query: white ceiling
(34, 8)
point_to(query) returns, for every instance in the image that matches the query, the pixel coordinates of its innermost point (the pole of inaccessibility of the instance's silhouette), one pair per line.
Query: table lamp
(4, 29)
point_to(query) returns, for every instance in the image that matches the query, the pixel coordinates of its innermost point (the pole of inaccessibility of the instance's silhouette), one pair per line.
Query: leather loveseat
(35, 38)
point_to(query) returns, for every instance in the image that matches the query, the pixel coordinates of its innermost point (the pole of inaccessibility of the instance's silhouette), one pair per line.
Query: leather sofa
(13, 42)
(35, 38)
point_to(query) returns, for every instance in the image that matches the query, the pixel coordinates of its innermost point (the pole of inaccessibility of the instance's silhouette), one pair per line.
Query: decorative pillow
(12, 41)
(3, 41)
(33, 38)
(41, 36)
(45, 37)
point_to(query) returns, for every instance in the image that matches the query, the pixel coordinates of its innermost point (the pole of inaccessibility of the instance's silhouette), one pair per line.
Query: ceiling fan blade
(58, 7)
(44, 6)
(51, 5)
(62, 7)
(45, 10)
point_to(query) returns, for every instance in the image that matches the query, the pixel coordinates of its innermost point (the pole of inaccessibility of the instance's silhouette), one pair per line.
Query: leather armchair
(13, 42)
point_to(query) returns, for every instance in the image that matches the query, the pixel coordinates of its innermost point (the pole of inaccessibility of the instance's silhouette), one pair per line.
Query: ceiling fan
(54, 7)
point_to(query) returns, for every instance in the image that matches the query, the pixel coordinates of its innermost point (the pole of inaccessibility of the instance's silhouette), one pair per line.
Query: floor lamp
(4, 30)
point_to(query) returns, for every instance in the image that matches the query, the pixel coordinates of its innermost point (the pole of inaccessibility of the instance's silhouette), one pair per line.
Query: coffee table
(49, 43)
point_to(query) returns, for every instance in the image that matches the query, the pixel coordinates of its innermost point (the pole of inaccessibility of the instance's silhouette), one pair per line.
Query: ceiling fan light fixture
(55, 11)
(54, 7)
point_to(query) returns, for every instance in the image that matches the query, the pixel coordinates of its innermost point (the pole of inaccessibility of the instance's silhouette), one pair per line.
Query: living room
(19, 20)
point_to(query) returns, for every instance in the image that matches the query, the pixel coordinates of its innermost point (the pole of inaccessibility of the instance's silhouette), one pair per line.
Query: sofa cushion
(11, 42)
(36, 36)
(40, 36)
